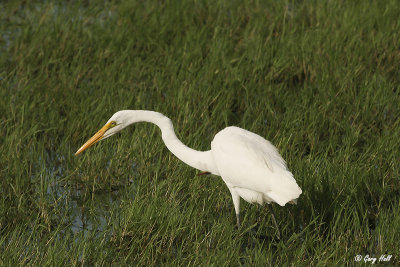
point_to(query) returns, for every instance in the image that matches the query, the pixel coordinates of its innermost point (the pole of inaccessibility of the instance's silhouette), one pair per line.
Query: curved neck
(201, 160)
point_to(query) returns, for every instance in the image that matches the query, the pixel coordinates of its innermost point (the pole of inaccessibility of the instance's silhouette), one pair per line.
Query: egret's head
(116, 123)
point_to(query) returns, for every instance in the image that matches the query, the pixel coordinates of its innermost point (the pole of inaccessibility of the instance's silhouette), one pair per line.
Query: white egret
(250, 166)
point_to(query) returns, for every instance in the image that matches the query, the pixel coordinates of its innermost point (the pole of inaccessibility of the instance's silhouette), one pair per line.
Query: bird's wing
(246, 160)
(249, 146)
(261, 149)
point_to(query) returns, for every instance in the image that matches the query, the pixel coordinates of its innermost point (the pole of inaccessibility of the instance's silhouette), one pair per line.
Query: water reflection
(91, 214)
(83, 206)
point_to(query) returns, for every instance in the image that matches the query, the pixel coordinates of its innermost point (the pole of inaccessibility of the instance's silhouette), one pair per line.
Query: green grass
(319, 79)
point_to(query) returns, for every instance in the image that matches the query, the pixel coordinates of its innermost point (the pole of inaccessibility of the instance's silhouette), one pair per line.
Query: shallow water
(82, 206)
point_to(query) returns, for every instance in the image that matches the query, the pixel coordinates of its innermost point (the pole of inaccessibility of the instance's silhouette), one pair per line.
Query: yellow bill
(95, 138)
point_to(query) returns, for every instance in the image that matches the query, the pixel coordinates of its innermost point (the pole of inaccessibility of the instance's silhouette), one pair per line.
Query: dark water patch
(68, 198)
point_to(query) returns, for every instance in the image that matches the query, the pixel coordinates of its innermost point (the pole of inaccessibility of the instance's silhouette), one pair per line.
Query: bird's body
(250, 166)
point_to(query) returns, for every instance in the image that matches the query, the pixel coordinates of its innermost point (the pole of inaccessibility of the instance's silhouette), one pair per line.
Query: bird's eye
(113, 124)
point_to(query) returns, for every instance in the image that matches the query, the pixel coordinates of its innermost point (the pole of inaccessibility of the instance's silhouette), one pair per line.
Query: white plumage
(250, 166)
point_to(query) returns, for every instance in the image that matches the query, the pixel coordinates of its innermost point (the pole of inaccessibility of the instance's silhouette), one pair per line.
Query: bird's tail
(284, 189)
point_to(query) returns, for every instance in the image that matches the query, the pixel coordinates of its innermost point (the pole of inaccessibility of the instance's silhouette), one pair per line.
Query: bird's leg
(203, 173)
(273, 219)
(236, 203)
